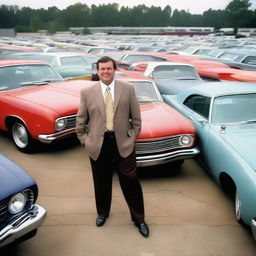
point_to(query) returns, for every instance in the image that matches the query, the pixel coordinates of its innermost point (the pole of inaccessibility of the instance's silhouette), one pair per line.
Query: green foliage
(236, 14)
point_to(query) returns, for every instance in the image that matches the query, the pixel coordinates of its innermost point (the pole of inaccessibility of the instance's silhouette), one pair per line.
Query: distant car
(172, 141)
(36, 103)
(224, 115)
(172, 77)
(67, 64)
(241, 59)
(20, 216)
(241, 56)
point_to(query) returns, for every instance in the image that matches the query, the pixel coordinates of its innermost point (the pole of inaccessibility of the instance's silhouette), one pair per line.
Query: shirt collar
(111, 86)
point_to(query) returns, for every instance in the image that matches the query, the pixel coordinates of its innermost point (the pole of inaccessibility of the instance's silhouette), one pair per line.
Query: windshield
(14, 77)
(234, 109)
(174, 72)
(145, 92)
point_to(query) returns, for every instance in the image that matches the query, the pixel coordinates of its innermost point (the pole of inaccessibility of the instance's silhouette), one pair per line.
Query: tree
(237, 12)
(76, 15)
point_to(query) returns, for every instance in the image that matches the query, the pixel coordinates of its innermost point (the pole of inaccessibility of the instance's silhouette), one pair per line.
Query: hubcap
(20, 135)
(238, 207)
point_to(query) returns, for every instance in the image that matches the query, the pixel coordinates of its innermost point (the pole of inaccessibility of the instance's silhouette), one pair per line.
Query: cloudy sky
(193, 6)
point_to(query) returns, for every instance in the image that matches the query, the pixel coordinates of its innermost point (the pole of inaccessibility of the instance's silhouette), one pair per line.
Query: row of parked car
(184, 115)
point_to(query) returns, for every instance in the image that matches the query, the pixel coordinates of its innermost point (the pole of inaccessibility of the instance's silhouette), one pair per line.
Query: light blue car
(224, 114)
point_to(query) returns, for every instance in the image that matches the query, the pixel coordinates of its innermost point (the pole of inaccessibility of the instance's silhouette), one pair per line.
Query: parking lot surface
(187, 213)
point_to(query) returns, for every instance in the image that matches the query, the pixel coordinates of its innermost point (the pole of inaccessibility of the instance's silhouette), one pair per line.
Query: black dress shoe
(100, 221)
(143, 228)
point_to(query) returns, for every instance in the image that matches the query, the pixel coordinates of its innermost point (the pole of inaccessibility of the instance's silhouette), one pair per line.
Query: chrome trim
(48, 138)
(253, 227)
(21, 226)
(161, 144)
(158, 159)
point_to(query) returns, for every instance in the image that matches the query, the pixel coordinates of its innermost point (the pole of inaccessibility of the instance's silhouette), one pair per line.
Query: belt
(110, 133)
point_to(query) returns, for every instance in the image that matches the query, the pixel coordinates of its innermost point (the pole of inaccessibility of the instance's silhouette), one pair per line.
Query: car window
(133, 58)
(250, 60)
(18, 76)
(74, 60)
(228, 56)
(199, 104)
(174, 72)
(234, 108)
(145, 92)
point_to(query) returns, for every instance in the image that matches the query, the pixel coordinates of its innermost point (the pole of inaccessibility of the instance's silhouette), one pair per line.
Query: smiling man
(108, 122)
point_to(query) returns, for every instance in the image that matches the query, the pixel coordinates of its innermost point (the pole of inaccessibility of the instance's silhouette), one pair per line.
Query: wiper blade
(248, 121)
(43, 82)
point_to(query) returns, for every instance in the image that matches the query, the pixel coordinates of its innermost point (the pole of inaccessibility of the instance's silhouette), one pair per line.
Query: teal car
(224, 114)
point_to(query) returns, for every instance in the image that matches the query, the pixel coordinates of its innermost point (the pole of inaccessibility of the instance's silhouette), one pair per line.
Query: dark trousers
(102, 169)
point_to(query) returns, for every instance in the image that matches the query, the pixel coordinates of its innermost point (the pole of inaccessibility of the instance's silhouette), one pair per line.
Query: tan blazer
(91, 118)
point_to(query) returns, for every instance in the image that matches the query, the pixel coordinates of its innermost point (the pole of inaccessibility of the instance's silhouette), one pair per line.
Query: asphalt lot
(188, 215)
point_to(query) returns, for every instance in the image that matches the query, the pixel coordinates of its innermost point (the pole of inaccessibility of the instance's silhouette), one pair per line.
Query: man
(108, 122)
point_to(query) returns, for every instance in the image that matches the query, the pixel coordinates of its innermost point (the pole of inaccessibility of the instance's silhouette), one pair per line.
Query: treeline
(238, 13)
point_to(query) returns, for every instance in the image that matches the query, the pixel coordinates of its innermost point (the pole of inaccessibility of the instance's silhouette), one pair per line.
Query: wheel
(21, 137)
(238, 207)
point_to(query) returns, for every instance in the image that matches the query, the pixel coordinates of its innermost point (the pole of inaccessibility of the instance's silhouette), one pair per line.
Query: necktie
(109, 109)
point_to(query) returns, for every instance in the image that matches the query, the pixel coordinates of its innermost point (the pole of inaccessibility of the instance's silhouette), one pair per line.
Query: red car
(37, 105)
(166, 135)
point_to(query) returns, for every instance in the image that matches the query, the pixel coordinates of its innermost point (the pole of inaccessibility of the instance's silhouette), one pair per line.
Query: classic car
(240, 56)
(172, 141)
(171, 77)
(224, 115)
(20, 216)
(36, 103)
(67, 64)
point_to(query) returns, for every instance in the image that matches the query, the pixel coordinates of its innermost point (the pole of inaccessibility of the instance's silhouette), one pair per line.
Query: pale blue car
(224, 114)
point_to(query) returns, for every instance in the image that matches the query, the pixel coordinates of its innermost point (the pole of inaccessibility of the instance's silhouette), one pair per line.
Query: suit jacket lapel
(117, 95)
(99, 98)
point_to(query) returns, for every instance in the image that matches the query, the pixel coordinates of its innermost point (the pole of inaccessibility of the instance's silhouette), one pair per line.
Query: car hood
(62, 97)
(242, 138)
(12, 178)
(160, 120)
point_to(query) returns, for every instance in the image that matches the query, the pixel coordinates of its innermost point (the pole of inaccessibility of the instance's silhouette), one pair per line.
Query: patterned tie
(109, 109)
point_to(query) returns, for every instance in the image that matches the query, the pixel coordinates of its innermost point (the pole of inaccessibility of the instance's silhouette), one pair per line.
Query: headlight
(17, 203)
(186, 140)
(60, 124)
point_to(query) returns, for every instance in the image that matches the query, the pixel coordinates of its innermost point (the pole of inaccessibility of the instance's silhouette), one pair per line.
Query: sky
(193, 6)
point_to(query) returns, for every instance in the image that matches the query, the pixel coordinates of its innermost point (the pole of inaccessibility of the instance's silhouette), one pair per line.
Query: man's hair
(105, 59)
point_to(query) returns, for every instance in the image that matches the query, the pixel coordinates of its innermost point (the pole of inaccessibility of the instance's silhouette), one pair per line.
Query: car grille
(158, 145)
(71, 122)
(4, 203)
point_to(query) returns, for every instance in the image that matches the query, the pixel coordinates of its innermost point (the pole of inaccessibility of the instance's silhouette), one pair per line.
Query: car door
(198, 109)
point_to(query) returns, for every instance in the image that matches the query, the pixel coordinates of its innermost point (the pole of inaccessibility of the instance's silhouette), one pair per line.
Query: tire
(21, 137)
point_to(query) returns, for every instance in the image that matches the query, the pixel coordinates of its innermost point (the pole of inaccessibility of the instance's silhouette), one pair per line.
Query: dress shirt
(111, 87)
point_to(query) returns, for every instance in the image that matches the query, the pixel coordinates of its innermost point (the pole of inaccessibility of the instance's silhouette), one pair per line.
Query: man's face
(106, 72)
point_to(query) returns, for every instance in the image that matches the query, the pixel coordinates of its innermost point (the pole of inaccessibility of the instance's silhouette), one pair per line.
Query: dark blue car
(19, 215)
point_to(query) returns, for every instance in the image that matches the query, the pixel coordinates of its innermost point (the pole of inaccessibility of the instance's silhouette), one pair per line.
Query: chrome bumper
(29, 221)
(164, 158)
(48, 138)
(253, 227)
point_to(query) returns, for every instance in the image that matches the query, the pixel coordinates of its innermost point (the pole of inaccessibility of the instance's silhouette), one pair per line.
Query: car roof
(214, 89)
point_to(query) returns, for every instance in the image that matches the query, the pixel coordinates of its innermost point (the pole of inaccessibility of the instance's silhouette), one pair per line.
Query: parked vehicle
(68, 64)
(36, 103)
(172, 77)
(20, 216)
(224, 115)
(172, 141)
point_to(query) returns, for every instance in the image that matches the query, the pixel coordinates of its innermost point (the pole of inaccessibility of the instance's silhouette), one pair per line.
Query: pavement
(187, 213)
